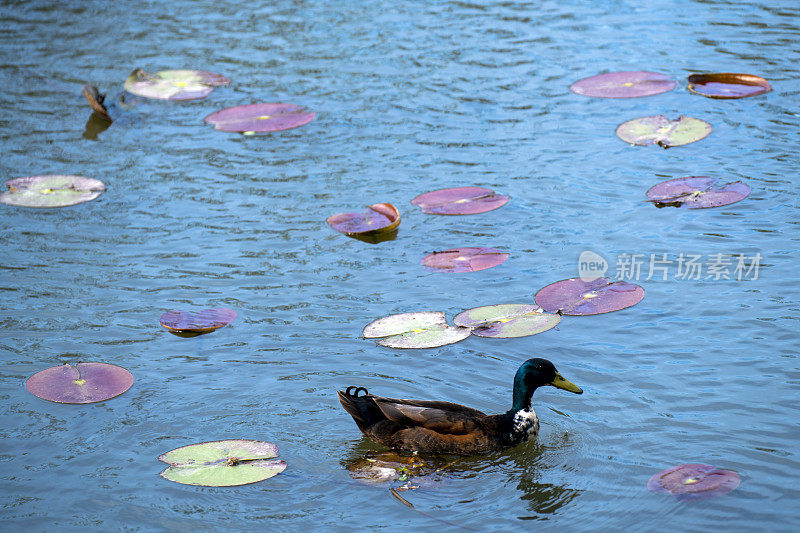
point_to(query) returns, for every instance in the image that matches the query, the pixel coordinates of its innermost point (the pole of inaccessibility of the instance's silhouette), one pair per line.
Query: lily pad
(697, 192)
(189, 324)
(82, 383)
(662, 131)
(260, 118)
(507, 320)
(464, 259)
(96, 101)
(728, 85)
(54, 190)
(694, 481)
(426, 329)
(222, 463)
(460, 201)
(625, 84)
(174, 84)
(379, 218)
(388, 466)
(577, 297)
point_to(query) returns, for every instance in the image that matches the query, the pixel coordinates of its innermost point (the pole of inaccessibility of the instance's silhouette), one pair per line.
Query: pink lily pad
(697, 192)
(728, 85)
(460, 201)
(625, 84)
(189, 324)
(174, 84)
(260, 118)
(577, 297)
(694, 481)
(662, 131)
(464, 259)
(379, 218)
(54, 190)
(507, 320)
(82, 383)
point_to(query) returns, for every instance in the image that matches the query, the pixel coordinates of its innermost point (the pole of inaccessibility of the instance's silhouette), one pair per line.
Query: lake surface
(411, 97)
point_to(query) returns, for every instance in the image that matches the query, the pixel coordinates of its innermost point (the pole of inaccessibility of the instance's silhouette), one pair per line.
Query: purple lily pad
(189, 324)
(694, 481)
(379, 218)
(728, 85)
(464, 259)
(662, 131)
(174, 84)
(82, 383)
(507, 320)
(460, 201)
(51, 191)
(577, 297)
(697, 192)
(259, 118)
(626, 84)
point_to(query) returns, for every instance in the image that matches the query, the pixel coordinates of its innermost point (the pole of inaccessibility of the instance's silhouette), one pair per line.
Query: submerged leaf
(694, 481)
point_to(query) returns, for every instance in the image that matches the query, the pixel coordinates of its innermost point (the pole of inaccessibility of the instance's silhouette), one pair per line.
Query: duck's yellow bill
(565, 384)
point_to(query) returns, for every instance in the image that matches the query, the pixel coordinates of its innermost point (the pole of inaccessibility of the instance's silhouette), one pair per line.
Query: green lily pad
(54, 190)
(662, 131)
(174, 84)
(427, 329)
(507, 320)
(222, 463)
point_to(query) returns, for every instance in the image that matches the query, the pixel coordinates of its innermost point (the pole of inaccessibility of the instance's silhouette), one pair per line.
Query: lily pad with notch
(464, 259)
(507, 320)
(694, 481)
(575, 296)
(697, 192)
(223, 463)
(460, 201)
(662, 131)
(377, 219)
(624, 84)
(55, 190)
(422, 329)
(174, 84)
(728, 85)
(260, 118)
(82, 383)
(191, 324)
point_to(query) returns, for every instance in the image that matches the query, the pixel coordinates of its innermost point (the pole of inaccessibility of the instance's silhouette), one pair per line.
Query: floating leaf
(464, 259)
(728, 85)
(427, 329)
(54, 190)
(626, 84)
(577, 297)
(662, 131)
(460, 201)
(174, 84)
(379, 218)
(697, 192)
(222, 463)
(189, 324)
(694, 481)
(507, 320)
(82, 383)
(96, 101)
(259, 118)
(386, 466)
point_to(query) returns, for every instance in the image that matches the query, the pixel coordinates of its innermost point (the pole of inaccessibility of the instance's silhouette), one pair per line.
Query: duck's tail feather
(362, 408)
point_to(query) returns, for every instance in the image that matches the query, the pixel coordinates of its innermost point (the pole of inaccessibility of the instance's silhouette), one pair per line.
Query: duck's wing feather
(442, 417)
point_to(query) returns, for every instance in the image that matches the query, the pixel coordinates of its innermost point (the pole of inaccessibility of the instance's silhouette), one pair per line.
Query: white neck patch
(525, 423)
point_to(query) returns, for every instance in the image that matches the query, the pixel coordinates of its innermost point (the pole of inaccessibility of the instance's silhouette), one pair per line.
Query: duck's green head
(535, 373)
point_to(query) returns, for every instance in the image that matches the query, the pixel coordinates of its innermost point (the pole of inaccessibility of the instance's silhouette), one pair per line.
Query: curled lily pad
(577, 297)
(464, 259)
(460, 201)
(189, 324)
(260, 118)
(694, 481)
(507, 320)
(697, 192)
(662, 131)
(96, 101)
(174, 84)
(82, 383)
(51, 191)
(728, 85)
(625, 84)
(222, 463)
(378, 218)
(427, 329)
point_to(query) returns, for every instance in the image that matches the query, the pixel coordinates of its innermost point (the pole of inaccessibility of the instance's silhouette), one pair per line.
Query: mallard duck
(450, 428)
